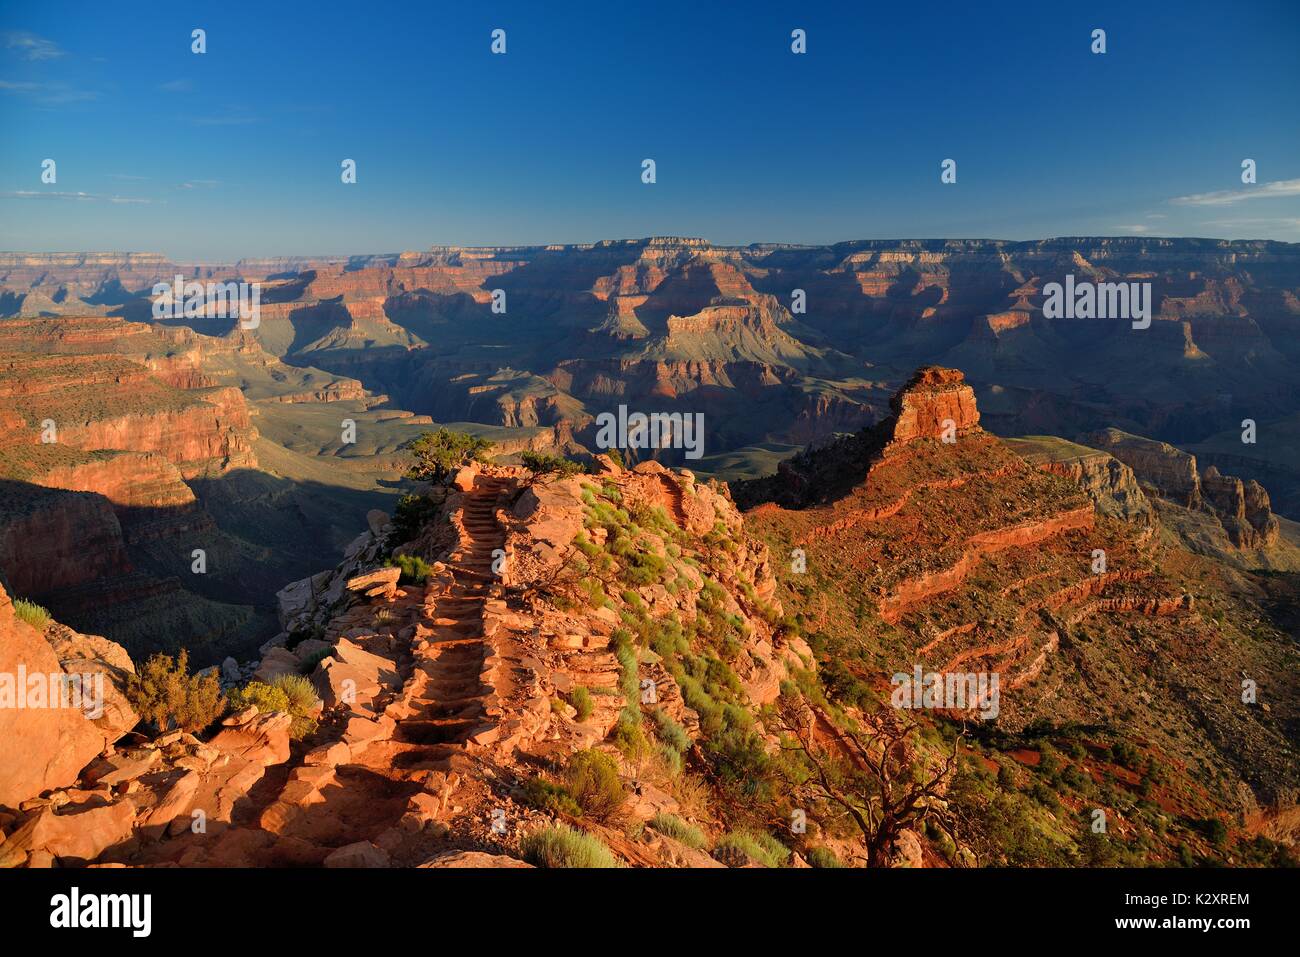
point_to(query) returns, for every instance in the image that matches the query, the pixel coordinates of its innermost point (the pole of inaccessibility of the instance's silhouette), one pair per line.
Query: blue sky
(237, 152)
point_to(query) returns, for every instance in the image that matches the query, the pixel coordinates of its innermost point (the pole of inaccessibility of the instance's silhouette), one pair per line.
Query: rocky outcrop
(1242, 508)
(1159, 466)
(935, 402)
(1112, 485)
(51, 725)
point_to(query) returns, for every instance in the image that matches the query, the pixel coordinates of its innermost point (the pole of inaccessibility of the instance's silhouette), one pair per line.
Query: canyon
(915, 468)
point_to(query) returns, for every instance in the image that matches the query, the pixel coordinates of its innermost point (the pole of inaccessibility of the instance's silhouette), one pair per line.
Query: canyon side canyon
(552, 654)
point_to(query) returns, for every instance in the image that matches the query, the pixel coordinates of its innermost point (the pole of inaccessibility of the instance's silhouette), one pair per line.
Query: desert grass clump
(292, 694)
(166, 695)
(559, 845)
(679, 830)
(736, 847)
(304, 704)
(822, 857)
(415, 570)
(670, 732)
(580, 699)
(32, 613)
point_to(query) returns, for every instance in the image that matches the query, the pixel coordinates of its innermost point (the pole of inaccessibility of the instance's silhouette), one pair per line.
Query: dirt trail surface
(379, 773)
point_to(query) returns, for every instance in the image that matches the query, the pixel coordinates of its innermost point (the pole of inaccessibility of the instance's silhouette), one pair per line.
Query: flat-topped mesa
(936, 402)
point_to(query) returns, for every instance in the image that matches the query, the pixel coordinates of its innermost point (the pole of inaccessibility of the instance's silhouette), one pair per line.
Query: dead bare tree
(872, 775)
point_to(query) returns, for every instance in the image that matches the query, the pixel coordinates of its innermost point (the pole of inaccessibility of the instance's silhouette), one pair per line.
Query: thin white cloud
(1282, 222)
(199, 184)
(1134, 229)
(32, 47)
(1279, 189)
(48, 94)
(78, 197)
(176, 86)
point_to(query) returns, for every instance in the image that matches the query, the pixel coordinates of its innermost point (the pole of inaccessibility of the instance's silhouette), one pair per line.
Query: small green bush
(410, 515)
(308, 664)
(541, 463)
(592, 778)
(549, 796)
(303, 704)
(292, 694)
(258, 694)
(559, 845)
(678, 830)
(165, 694)
(670, 732)
(415, 570)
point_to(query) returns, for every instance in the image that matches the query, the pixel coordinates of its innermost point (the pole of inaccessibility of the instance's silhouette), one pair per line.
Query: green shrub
(628, 735)
(759, 846)
(549, 796)
(292, 694)
(308, 664)
(260, 695)
(559, 845)
(592, 778)
(165, 694)
(822, 857)
(678, 830)
(32, 613)
(438, 454)
(541, 463)
(670, 732)
(303, 704)
(415, 570)
(410, 515)
(670, 758)
(580, 698)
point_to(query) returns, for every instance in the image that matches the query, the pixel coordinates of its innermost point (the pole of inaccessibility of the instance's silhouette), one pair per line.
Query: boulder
(276, 663)
(360, 854)
(44, 748)
(80, 654)
(473, 859)
(378, 578)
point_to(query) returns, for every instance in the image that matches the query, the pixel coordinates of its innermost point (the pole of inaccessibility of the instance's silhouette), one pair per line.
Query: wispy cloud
(48, 94)
(1278, 222)
(32, 47)
(199, 184)
(1276, 190)
(176, 86)
(77, 197)
(1134, 229)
